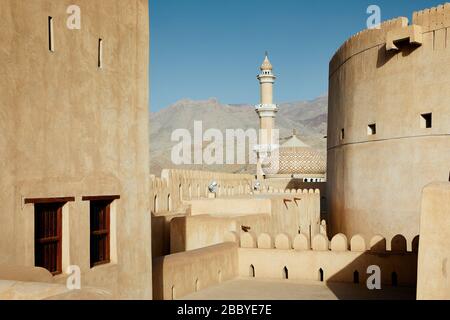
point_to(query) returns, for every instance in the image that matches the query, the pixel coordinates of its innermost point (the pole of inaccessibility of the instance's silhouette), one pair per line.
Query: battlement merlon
(412, 34)
(434, 18)
(429, 20)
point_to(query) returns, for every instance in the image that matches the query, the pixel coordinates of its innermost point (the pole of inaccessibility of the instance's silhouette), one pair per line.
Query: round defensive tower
(388, 124)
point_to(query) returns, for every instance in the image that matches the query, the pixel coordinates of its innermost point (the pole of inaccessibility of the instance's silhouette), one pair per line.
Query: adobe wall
(374, 182)
(182, 273)
(170, 197)
(433, 282)
(70, 129)
(169, 191)
(338, 259)
(20, 290)
(25, 274)
(232, 206)
(272, 213)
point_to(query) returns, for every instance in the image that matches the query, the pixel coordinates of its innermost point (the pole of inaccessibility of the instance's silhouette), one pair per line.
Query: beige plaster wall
(72, 129)
(25, 274)
(20, 290)
(170, 197)
(374, 182)
(433, 282)
(180, 274)
(230, 206)
(338, 263)
(184, 185)
(262, 213)
(195, 232)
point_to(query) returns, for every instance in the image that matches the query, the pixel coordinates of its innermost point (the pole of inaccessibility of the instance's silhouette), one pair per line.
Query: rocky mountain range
(308, 118)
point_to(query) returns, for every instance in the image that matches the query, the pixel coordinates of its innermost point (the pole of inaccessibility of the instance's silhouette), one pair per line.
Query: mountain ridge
(309, 118)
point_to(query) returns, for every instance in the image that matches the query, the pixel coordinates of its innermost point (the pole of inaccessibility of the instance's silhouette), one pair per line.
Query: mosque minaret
(293, 159)
(266, 111)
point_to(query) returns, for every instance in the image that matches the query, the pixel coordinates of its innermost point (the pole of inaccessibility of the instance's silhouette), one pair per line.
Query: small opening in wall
(100, 53)
(197, 285)
(51, 41)
(285, 273)
(321, 275)
(342, 134)
(356, 277)
(251, 271)
(372, 129)
(426, 120)
(394, 279)
(155, 204)
(169, 203)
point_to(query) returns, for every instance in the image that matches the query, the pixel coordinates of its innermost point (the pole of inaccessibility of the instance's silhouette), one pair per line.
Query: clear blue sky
(213, 48)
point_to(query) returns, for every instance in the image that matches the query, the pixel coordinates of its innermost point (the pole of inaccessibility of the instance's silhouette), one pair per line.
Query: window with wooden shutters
(48, 236)
(100, 232)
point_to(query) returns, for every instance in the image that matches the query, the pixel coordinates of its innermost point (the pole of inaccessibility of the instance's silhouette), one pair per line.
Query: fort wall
(169, 191)
(287, 212)
(388, 124)
(433, 282)
(323, 260)
(71, 129)
(182, 273)
(170, 197)
(244, 254)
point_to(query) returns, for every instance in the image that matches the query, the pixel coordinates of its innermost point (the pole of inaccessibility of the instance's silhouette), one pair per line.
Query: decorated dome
(296, 157)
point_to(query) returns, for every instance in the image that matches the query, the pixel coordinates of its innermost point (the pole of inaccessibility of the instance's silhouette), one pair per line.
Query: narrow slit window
(51, 39)
(285, 273)
(252, 271)
(321, 275)
(100, 53)
(426, 120)
(372, 129)
(342, 134)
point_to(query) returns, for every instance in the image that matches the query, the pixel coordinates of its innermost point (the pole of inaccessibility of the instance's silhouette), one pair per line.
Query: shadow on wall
(158, 279)
(398, 280)
(300, 184)
(161, 242)
(404, 48)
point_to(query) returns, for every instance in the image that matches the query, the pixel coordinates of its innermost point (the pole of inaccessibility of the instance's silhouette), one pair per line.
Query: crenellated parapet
(433, 18)
(388, 99)
(175, 186)
(423, 21)
(364, 40)
(339, 260)
(320, 242)
(270, 190)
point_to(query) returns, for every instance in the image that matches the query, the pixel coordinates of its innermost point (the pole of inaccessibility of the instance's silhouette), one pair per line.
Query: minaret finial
(267, 53)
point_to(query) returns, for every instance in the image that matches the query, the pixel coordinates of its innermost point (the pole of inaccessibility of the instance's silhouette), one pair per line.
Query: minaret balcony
(266, 78)
(266, 110)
